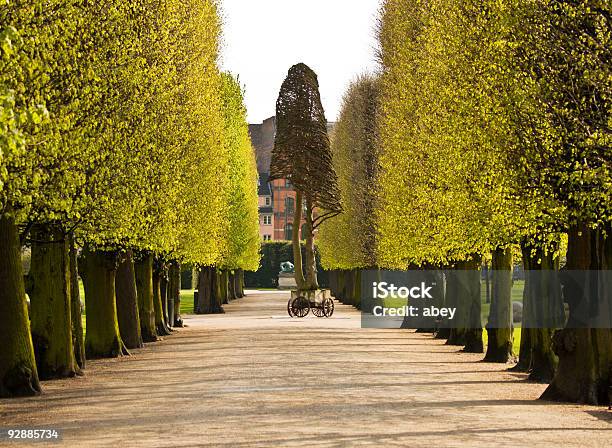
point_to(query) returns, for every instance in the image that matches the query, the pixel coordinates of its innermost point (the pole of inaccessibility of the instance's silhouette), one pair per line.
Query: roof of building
(266, 209)
(263, 189)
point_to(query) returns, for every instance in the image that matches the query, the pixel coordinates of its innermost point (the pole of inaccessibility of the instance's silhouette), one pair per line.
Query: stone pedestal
(286, 280)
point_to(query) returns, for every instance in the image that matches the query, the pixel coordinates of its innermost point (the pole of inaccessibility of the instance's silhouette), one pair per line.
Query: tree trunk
(312, 282)
(241, 283)
(163, 289)
(18, 373)
(295, 239)
(349, 285)
(160, 324)
(102, 339)
(440, 288)
(127, 303)
(174, 289)
(217, 290)
(50, 304)
(499, 325)
(143, 267)
(524, 361)
(178, 321)
(473, 334)
(544, 306)
(224, 285)
(457, 297)
(585, 354)
(237, 288)
(356, 290)
(76, 308)
(487, 282)
(208, 298)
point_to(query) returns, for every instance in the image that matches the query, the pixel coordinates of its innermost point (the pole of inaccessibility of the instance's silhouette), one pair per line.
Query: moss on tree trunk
(143, 267)
(18, 373)
(499, 325)
(76, 308)
(127, 303)
(50, 303)
(585, 354)
(102, 339)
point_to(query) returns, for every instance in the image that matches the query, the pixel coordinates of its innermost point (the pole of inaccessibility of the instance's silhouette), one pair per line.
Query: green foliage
(347, 241)
(494, 125)
(116, 122)
(242, 235)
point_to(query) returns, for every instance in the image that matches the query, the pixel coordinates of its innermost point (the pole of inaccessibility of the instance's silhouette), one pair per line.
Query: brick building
(276, 198)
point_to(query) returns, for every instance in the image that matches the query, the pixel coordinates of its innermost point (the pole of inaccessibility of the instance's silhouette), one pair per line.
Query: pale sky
(263, 38)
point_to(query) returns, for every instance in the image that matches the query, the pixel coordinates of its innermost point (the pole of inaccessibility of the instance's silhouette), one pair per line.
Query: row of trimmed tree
(486, 137)
(124, 152)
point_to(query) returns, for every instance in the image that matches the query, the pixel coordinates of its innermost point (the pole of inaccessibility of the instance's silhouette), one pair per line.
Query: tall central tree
(302, 155)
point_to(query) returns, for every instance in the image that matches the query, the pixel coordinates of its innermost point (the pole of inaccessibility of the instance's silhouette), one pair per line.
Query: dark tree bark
(163, 289)
(473, 334)
(585, 354)
(296, 243)
(499, 325)
(209, 296)
(127, 303)
(463, 292)
(457, 297)
(160, 323)
(231, 286)
(544, 306)
(76, 308)
(440, 294)
(312, 282)
(102, 339)
(18, 373)
(224, 285)
(524, 360)
(356, 290)
(487, 283)
(174, 290)
(50, 303)
(143, 267)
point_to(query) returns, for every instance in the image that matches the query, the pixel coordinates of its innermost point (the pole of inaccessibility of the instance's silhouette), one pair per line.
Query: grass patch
(187, 301)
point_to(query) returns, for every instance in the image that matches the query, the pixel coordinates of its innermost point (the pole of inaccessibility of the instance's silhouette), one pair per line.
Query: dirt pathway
(254, 377)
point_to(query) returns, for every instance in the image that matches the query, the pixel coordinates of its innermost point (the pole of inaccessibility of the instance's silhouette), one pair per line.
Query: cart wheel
(328, 307)
(289, 311)
(300, 307)
(318, 311)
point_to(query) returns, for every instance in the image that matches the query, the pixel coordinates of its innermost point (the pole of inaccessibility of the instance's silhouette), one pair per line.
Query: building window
(267, 220)
(288, 231)
(268, 201)
(289, 204)
(267, 237)
(287, 183)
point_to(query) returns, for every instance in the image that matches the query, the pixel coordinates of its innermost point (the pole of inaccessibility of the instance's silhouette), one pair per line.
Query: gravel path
(254, 377)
